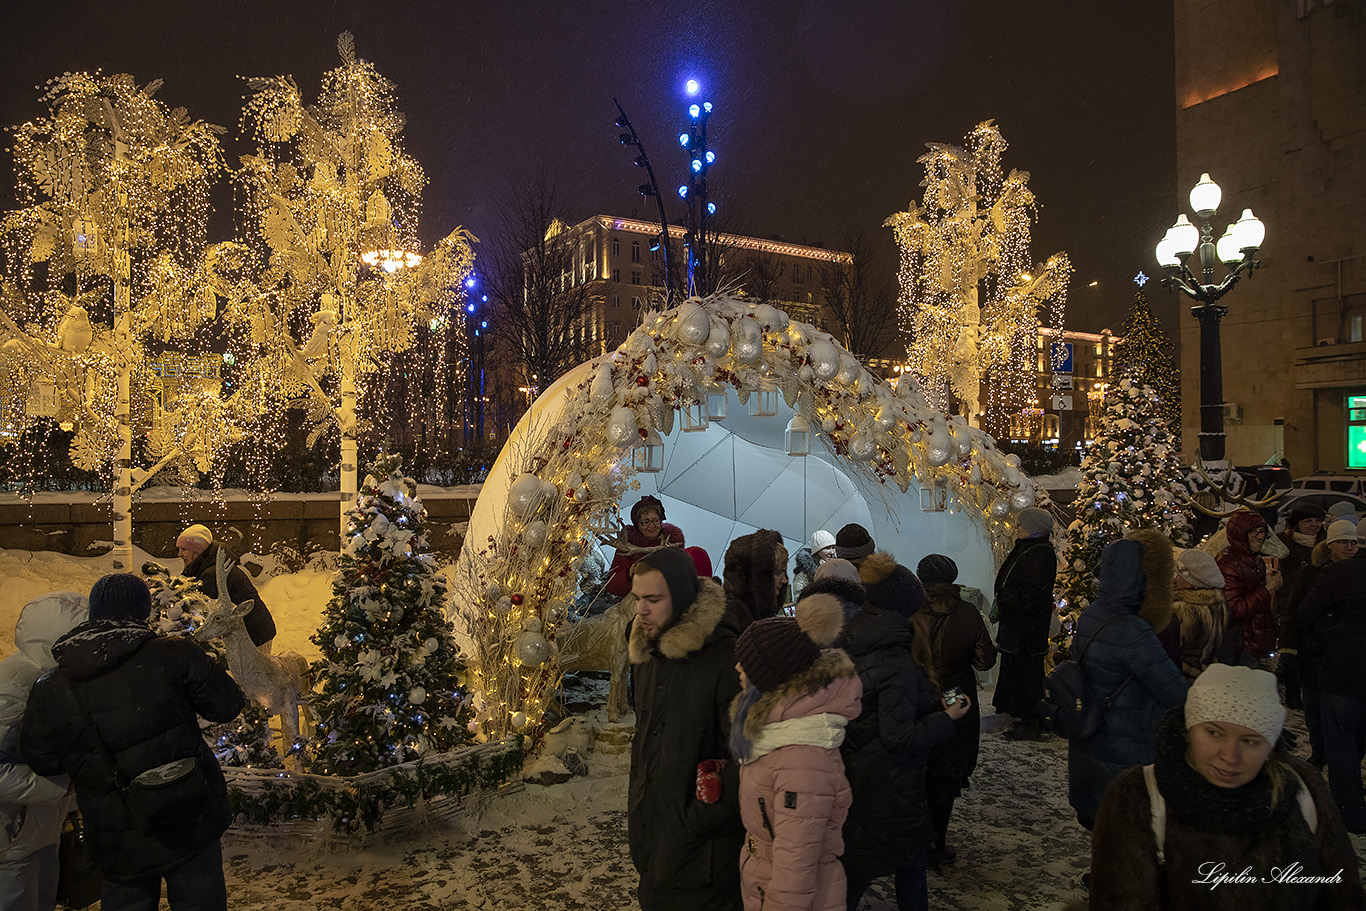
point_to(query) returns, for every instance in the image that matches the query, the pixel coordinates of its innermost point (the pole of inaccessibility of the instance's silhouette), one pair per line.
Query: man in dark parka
(682, 647)
(1024, 607)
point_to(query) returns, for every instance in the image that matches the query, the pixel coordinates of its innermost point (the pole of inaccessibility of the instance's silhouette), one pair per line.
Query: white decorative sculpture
(274, 681)
(599, 644)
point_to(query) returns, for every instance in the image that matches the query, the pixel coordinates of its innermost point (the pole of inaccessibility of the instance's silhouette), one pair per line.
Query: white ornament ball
(503, 605)
(519, 720)
(417, 695)
(694, 324)
(1000, 508)
(749, 340)
(536, 533)
(1012, 460)
(581, 494)
(600, 487)
(938, 454)
(1022, 499)
(574, 547)
(828, 424)
(622, 429)
(175, 612)
(525, 494)
(718, 342)
(532, 624)
(849, 369)
(825, 359)
(862, 447)
(556, 613)
(431, 645)
(532, 649)
(493, 592)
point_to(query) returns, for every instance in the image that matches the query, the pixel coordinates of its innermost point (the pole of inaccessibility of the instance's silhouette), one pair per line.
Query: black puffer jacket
(142, 694)
(886, 746)
(686, 851)
(1334, 613)
(1024, 597)
(959, 642)
(260, 624)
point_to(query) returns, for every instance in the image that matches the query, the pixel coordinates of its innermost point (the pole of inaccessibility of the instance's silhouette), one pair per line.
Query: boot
(1031, 729)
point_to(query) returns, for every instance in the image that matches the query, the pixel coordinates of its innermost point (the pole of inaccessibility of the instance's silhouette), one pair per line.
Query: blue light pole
(650, 189)
(476, 328)
(701, 158)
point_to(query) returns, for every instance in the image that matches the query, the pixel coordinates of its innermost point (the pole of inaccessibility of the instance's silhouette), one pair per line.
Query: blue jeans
(912, 886)
(1343, 719)
(195, 885)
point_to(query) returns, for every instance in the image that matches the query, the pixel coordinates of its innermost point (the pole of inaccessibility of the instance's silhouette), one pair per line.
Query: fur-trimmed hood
(831, 685)
(1321, 556)
(889, 585)
(1159, 574)
(689, 632)
(805, 562)
(1201, 596)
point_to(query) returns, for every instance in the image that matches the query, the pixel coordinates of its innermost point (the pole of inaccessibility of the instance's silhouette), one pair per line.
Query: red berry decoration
(644, 433)
(642, 381)
(517, 598)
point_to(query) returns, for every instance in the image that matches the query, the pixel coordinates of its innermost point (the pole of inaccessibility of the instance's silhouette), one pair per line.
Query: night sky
(821, 108)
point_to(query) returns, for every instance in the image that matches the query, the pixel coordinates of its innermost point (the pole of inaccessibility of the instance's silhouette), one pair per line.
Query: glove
(709, 780)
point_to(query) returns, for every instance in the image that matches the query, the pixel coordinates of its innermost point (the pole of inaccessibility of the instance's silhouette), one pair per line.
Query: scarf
(1305, 540)
(1197, 803)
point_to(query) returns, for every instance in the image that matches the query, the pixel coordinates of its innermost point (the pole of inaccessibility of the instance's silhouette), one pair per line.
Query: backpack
(1069, 708)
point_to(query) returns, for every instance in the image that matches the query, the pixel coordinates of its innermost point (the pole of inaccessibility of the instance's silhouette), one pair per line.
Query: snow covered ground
(563, 847)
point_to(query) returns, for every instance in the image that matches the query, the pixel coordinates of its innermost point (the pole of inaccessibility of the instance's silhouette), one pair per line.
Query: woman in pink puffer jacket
(788, 724)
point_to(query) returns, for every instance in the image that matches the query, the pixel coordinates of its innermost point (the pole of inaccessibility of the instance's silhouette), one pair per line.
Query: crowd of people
(798, 739)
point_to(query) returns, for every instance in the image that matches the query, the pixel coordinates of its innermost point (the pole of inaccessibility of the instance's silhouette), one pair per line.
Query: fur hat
(1236, 695)
(776, 649)
(1342, 530)
(1301, 511)
(820, 540)
(1199, 569)
(195, 539)
(853, 542)
(120, 596)
(647, 502)
(936, 568)
(1034, 521)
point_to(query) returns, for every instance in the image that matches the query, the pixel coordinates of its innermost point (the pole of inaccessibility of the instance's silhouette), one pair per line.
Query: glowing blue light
(484, 298)
(711, 156)
(691, 86)
(711, 208)
(683, 139)
(470, 282)
(694, 112)
(484, 324)
(697, 164)
(706, 106)
(469, 308)
(683, 191)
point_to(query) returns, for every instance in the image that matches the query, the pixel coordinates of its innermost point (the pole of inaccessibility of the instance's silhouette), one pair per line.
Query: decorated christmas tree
(1145, 356)
(1132, 475)
(389, 686)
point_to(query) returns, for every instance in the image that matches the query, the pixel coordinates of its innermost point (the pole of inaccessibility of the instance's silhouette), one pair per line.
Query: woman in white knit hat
(1198, 603)
(1222, 819)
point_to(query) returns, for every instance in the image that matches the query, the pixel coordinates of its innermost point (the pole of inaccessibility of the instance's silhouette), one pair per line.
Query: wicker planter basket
(407, 797)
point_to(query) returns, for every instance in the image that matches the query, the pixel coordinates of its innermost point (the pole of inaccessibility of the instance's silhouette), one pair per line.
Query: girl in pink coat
(788, 723)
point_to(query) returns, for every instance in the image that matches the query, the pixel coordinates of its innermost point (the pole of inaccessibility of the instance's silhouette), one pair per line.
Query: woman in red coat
(648, 531)
(1251, 635)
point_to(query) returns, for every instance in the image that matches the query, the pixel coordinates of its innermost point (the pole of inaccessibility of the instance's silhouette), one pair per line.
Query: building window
(635, 276)
(616, 275)
(797, 272)
(588, 253)
(616, 246)
(635, 303)
(616, 301)
(1354, 328)
(635, 251)
(1356, 431)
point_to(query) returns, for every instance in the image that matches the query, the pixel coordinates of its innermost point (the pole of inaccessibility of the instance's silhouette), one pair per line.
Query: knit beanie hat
(647, 502)
(195, 539)
(680, 574)
(1361, 529)
(1341, 509)
(1342, 530)
(837, 569)
(1236, 695)
(700, 559)
(1199, 569)
(820, 540)
(853, 542)
(1035, 521)
(936, 568)
(776, 649)
(120, 596)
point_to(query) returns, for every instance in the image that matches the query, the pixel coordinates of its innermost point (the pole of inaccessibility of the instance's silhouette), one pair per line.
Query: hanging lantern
(85, 237)
(648, 454)
(798, 436)
(763, 403)
(42, 399)
(695, 415)
(935, 497)
(716, 402)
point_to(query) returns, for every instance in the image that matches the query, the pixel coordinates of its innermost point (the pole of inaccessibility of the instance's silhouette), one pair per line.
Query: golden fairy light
(970, 295)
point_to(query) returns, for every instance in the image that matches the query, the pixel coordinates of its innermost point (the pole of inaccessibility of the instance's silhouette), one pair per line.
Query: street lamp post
(1235, 249)
(694, 141)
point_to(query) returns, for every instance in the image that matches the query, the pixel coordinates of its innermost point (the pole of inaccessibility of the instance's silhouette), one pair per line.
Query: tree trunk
(123, 464)
(346, 422)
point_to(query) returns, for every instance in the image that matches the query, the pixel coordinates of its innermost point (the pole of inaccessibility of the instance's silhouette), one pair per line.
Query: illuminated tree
(335, 200)
(970, 294)
(1133, 479)
(1145, 355)
(105, 269)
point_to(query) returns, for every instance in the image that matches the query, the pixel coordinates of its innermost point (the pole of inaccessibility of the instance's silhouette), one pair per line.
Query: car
(1338, 483)
(1323, 499)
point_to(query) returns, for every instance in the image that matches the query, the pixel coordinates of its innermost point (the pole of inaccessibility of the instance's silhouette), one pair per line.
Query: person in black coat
(1334, 613)
(118, 710)
(755, 576)
(682, 647)
(885, 751)
(197, 548)
(960, 645)
(1024, 608)
(1117, 647)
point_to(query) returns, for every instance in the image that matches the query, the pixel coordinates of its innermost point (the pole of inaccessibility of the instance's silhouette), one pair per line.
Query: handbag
(1069, 708)
(78, 880)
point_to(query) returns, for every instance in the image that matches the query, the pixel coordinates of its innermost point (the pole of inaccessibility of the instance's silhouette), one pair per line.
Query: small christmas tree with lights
(389, 684)
(1144, 354)
(1132, 475)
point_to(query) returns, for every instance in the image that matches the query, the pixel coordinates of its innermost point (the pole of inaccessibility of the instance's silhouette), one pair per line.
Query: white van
(1333, 483)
